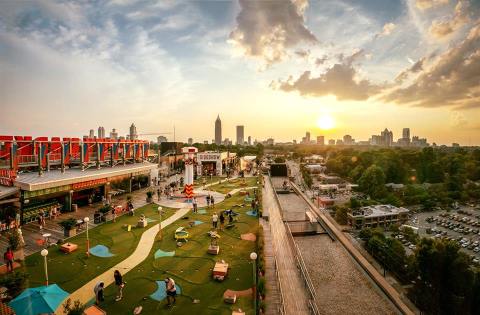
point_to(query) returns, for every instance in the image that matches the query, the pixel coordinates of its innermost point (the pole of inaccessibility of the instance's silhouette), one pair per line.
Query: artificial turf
(71, 271)
(232, 184)
(191, 268)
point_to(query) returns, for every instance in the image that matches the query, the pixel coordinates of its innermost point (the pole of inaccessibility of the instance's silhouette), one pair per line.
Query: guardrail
(304, 272)
(279, 285)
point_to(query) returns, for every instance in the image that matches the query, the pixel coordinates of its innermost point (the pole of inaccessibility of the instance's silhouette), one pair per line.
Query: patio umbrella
(40, 300)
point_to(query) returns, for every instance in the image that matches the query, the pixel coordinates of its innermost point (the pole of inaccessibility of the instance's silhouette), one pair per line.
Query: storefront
(215, 163)
(57, 191)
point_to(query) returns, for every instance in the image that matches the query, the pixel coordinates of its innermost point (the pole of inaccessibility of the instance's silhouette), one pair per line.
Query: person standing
(159, 194)
(222, 221)
(120, 285)
(212, 202)
(8, 257)
(214, 220)
(208, 201)
(98, 290)
(114, 215)
(195, 205)
(171, 291)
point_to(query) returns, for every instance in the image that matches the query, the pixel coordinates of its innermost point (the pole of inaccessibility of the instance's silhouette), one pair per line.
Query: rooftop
(54, 178)
(380, 211)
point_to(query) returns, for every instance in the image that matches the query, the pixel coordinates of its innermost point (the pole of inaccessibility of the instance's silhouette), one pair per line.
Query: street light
(44, 253)
(86, 220)
(253, 257)
(160, 224)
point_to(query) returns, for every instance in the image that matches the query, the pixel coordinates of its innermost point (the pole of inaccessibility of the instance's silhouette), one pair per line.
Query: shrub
(68, 224)
(15, 282)
(105, 209)
(261, 287)
(13, 239)
(76, 309)
(149, 194)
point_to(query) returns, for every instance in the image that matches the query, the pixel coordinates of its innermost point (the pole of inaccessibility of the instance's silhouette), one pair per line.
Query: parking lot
(461, 226)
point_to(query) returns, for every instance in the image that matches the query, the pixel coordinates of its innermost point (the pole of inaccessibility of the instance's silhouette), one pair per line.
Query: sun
(326, 122)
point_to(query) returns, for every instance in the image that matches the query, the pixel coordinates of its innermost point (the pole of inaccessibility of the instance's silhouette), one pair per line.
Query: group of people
(100, 287)
(9, 222)
(221, 218)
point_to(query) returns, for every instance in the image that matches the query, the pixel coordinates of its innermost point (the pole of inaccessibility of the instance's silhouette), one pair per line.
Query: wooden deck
(273, 300)
(295, 297)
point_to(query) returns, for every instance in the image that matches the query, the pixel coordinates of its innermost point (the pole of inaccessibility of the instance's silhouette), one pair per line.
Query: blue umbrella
(34, 301)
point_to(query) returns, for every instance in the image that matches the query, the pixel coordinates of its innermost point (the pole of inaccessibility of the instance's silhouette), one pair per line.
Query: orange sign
(88, 184)
(7, 177)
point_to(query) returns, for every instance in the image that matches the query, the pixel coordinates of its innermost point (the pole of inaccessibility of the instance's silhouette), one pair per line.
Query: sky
(275, 67)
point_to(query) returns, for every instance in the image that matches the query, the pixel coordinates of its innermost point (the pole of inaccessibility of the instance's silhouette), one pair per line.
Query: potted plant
(69, 227)
(149, 196)
(15, 244)
(76, 309)
(15, 282)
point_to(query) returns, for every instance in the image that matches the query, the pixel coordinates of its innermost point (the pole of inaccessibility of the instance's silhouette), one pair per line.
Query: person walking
(222, 221)
(98, 290)
(214, 220)
(208, 201)
(120, 285)
(8, 257)
(114, 215)
(212, 202)
(171, 291)
(195, 205)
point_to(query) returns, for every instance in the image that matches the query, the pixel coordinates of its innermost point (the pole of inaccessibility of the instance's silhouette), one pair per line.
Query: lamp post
(44, 253)
(86, 220)
(253, 257)
(160, 211)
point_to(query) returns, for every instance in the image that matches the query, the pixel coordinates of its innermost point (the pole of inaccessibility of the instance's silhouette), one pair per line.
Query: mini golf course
(232, 184)
(191, 268)
(110, 243)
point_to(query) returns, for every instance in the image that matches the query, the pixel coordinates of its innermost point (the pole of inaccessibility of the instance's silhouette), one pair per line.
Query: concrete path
(236, 190)
(85, 293)
(295, 296)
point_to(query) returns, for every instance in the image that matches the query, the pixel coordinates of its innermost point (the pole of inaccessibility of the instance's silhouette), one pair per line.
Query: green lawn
(71, 271)
(199, 181)
(225, 187)
(191, 268)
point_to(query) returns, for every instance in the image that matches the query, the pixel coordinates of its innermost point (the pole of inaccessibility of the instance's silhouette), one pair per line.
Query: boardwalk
(273, 299)
(295, 295)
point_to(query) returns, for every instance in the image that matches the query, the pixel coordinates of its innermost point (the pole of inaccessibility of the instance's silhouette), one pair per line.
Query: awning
(6, 191)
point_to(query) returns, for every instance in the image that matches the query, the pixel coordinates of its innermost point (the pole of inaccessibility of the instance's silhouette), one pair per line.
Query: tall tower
(240, 135)
(101, 132)
(406, 133)
(133, 132)
(91, 134)
(218, 131)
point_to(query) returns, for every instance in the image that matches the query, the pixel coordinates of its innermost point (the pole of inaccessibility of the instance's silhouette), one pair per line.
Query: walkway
(85, 293)
(295, 300)
(273, 300)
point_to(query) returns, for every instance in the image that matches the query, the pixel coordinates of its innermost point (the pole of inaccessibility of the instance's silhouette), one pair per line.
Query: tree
(372, 182)
(341, 215)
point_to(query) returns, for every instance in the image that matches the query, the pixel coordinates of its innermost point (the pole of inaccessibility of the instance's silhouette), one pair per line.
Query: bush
(13, 239)
(149, 194)
(15, 282)
(68, 224)
(261, 286)
(76, 309)
(105, 209)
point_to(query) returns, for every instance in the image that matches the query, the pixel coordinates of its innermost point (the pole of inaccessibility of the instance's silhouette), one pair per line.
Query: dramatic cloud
(387, 29)
(321, 61)
(443, 28)
(427, 4)
(453, 79)
(266, 29)
(415, 68)
(340, 80)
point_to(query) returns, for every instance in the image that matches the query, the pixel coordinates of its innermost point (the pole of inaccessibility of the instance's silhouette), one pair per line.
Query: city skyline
(367, 64)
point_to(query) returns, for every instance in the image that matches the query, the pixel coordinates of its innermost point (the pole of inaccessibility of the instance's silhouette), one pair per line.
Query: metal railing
(280, 290)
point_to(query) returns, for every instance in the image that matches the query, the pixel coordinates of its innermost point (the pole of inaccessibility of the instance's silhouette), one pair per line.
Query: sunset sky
(273, 66)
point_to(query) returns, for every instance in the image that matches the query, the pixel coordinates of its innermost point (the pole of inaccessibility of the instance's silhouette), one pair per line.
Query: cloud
(444, 27)
(267, 29)
(428, 4)
(303, 53)
(387, 30)
(458, 119)
(321, 61)
(340, 80)
(452, 79)
(415, 68)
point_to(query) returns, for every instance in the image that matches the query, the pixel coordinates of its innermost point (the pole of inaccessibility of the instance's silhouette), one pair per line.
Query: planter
(149, 199)
(69, 233)
(19, 254)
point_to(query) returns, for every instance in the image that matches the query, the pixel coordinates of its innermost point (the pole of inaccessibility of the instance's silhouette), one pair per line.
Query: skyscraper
(101, 132)
(321, 140)
(307, 137)
(133, 132)
(240, 135)
(387, 137)
(249, 140)
(91, 134)
(190, 141)
(218, 131)
(113, 134)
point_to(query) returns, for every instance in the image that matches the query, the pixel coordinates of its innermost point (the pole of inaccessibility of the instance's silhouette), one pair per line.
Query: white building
(215, 163)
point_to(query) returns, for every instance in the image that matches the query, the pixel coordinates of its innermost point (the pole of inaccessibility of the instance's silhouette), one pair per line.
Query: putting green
(191, 268)
(71, 271)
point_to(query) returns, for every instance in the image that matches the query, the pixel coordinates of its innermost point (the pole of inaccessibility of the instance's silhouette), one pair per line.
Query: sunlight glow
(326, 122)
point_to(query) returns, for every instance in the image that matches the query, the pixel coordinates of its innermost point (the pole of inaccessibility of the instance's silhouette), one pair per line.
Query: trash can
(74, 207)
(97, 218)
